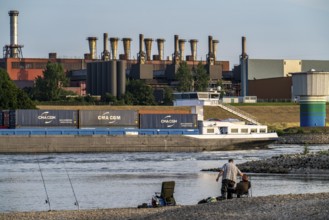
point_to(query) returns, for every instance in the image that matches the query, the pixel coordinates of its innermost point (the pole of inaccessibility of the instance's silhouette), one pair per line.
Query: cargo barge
(65, 131)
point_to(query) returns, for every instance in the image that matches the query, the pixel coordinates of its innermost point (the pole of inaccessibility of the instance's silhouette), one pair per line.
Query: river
(114, 180)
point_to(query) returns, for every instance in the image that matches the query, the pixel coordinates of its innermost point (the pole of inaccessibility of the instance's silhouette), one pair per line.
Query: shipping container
(108, 119)
(168, 121)
(44, 118)
(1, 119)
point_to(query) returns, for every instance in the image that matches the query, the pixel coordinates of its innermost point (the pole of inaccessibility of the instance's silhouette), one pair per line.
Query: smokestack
(106, 53)
(210, 59)
(13, 27)
(176, 57)
(114, 47)
(13, 50)
(244, 52)
(161, 48)
(210, 47)
(214, 49)
(141, 54)
(176, 44)
(193, 43)
(182, 48)
(92, 47)
(126, 47)
(148, 47)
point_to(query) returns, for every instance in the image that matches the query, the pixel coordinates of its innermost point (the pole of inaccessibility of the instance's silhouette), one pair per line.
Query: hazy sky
(275, 29)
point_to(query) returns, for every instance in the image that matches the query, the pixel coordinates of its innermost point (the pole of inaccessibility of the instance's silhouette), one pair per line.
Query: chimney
(214, 49)
(176, 53)
(92, 47)
(148, 47)
(106, 53)
(210, 59)
(141, 54)
(161, 48)
(114, 47)
(244, 52)
(210, 47)
(13, 50)
(182, 48)
(193, 43)
(126, 47)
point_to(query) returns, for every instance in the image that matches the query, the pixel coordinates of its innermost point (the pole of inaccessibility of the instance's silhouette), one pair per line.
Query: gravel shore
(302, 206)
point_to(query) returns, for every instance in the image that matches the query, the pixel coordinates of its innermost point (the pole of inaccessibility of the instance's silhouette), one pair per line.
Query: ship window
(210, 131)
(262, 130)
(253, 130)
(234, 130)
(244, 130)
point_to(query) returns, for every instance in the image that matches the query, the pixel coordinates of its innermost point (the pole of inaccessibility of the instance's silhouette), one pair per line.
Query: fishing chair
(166, 197)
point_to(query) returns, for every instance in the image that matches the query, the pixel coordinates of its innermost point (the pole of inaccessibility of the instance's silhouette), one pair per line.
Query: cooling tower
(193, 43)
(92, 47)
(181, 48)
(127, 47)
(160, 48)
(148, 47)
(114, 47)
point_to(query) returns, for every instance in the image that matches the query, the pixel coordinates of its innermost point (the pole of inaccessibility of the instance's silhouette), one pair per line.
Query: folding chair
(166, 197)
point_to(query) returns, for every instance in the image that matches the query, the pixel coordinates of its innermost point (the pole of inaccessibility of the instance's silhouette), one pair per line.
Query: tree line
(50, 88)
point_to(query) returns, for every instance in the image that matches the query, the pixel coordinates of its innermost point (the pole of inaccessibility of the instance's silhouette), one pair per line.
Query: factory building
(271, 79)
(109, 74)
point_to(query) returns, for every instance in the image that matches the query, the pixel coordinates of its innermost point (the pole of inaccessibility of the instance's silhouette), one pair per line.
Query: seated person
(242, 187)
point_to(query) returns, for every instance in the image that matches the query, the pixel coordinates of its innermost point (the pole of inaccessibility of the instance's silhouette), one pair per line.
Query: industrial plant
(97, 74)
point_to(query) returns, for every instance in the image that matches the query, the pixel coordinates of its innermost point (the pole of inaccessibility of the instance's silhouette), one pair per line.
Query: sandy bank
(302, 206)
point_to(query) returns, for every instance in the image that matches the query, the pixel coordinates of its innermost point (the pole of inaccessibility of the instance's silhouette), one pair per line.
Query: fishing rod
(44, 186)
(76, 200)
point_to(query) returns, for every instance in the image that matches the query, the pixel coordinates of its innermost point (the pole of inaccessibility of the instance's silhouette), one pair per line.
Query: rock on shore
(303, 206)
(296, 163)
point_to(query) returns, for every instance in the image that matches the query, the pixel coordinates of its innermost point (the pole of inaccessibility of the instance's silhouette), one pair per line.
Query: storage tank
(30, 118)
(312, 87)
(168, 121)
(121, 78)
(108, 118)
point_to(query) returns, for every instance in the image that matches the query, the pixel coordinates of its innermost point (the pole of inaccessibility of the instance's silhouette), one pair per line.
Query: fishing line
(76, 200)
(44, 185)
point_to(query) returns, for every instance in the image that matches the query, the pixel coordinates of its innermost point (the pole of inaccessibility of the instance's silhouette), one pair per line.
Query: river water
(113, 180)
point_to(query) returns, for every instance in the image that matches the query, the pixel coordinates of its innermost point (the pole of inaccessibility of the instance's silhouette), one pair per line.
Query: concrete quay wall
(140, 143)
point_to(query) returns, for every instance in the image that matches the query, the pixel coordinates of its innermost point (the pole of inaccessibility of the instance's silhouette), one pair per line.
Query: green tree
(184, 77)
(139, 93)
(168, 96)
(12, 97)
(201, 78)
(50, 86)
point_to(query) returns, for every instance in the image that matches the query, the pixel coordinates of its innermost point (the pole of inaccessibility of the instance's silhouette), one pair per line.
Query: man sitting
(242, 188)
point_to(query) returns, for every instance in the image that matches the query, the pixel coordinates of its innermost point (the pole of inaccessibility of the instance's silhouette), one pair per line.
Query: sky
(274, 29)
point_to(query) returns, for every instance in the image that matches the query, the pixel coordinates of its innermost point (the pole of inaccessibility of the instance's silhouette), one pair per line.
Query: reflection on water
(110, 180)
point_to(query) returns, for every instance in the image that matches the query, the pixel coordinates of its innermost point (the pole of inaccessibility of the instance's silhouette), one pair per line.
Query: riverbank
(302, 206)
(310, 138)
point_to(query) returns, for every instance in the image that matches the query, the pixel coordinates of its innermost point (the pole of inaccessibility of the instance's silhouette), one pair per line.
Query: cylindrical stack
(194, 43)
(182, 48)
(13, 27)
(121, 77)
(214, 49)
(244, 52)
(148, 47)
(176, 56)
(13, 33)
(210, 46)
(126, 47)
(141, 40)
(106, 52)
(161, 48)
(114, 47)
(92, 47)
